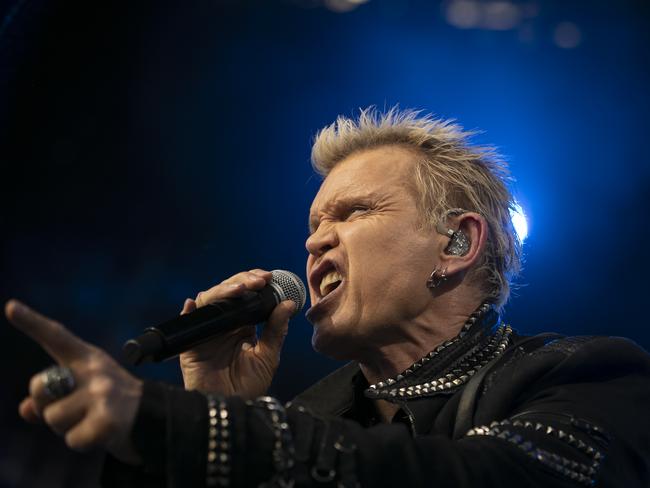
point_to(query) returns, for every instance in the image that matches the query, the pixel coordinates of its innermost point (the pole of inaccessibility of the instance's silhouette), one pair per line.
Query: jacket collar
(443, 371)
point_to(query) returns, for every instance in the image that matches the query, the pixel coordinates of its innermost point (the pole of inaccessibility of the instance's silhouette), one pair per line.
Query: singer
(410, 260)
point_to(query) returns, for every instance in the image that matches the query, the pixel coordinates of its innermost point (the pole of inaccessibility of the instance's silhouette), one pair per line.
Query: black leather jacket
(486, 409)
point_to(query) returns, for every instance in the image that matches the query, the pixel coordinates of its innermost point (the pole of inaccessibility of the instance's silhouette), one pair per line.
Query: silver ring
(58, 382)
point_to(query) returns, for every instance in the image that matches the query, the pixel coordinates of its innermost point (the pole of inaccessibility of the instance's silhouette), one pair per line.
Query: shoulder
(597, 355)
(567, 383)
(606, 344)
(599, 365)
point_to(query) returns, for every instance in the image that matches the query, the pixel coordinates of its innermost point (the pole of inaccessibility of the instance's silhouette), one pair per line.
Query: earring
(438, 276)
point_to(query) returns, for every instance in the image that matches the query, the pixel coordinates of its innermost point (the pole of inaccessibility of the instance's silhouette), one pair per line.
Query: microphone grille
(290, 287)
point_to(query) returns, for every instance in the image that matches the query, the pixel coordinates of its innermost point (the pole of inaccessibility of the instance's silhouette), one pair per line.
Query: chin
(332, 345)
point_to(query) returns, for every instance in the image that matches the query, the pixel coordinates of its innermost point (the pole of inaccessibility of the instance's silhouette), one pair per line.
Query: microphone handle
(170, 338)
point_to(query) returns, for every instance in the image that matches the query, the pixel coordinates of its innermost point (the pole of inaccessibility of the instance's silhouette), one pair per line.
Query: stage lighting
(519, 222)
(567, 35)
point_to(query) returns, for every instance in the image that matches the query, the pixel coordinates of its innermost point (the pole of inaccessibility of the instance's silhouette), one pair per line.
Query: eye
(357, 210)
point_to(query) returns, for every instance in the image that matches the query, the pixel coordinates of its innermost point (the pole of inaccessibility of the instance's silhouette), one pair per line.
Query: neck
(441, 322)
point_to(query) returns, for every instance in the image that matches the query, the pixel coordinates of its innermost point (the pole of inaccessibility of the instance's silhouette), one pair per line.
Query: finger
(252, 280)
(233, 286)
(267, 275)
(27, 410)
(57, 341)
(188, 306)
(40, 399)
(63, 414)
(92, 431)
(275, 330)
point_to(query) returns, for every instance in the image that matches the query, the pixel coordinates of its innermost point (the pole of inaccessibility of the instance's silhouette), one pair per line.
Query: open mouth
(324, 280)
(327, 282)
(330, 282)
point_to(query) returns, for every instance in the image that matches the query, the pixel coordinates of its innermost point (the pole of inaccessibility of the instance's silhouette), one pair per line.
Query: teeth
(328, 279)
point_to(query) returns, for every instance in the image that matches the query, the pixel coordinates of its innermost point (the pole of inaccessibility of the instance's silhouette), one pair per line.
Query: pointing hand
(100, 410)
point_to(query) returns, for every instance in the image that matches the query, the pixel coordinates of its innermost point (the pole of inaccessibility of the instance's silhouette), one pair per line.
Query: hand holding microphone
(233, 361)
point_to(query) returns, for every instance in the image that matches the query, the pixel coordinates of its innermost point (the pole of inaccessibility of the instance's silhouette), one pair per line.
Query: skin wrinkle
(450, 172)
(389, 319)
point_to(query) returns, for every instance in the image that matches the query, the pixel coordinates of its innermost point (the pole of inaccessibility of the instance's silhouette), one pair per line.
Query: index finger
(57, 341)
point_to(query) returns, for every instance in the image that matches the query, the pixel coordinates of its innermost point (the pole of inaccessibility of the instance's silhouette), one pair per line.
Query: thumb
(275, 330)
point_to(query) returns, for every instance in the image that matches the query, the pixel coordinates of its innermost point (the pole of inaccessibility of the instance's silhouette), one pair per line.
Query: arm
(581, 419)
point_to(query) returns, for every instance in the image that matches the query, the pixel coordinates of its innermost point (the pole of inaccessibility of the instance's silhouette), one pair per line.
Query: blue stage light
(519, 222)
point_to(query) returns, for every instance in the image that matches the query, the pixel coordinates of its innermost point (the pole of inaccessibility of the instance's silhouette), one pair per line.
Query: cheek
(390, 269)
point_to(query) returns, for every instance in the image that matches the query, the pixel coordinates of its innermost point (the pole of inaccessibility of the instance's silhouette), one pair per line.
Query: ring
(58, 381)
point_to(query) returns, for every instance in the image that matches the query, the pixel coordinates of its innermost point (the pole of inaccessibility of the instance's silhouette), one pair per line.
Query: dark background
(150, 149)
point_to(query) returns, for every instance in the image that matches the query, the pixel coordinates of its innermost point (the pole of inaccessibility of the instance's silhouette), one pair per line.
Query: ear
(475, 228)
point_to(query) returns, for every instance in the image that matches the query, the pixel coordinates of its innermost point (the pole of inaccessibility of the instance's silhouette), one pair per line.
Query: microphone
(170, 338)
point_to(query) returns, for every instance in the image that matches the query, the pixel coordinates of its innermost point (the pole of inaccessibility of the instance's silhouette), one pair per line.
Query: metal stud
(516, 438)
(527, 446)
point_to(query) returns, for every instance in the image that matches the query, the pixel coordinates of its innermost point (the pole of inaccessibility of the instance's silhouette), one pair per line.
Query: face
(369, 256)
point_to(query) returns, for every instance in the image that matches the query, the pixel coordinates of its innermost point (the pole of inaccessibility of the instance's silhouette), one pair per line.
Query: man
(410, 257)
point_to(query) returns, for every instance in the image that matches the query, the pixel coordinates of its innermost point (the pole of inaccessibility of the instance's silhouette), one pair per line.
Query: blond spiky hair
(450, 173)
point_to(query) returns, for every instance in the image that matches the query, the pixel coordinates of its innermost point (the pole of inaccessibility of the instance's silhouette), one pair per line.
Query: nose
(321, 241)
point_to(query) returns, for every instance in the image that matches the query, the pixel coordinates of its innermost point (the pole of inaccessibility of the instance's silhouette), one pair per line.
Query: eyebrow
(336, 203)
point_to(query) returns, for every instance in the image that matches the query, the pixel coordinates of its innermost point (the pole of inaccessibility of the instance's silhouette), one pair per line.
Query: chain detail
(283, 450)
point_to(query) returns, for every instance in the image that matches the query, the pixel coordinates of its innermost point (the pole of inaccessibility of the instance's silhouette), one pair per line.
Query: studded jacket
(488, 408)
